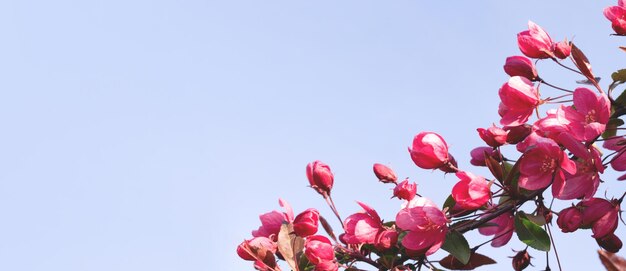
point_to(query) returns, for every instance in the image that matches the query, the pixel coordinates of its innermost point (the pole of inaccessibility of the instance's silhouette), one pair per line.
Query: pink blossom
(272, 221)
(425, 225)
(617, 16)
(618, 161)
(520, 66)
(600, 214)
(405, 190)
(362, 227)
(562, 49)
(584, 183)
(305, 223)
(504, 225)
(327, 266)
(519, 98)
(493, 136)
(590, 114)
(570, 219)
(542, 164)
(320, 177)
(384, 173)
(535, 42)
(429, 151)
(250, 250)
(478, 155)
(318, 249)
(386, 239)
(471, 192)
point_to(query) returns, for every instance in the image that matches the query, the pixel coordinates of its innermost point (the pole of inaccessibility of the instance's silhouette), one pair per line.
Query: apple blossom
(320, 177)
(519, 98)
(429, 151)
(425, 225)
(617, 16)
(362, 227)
(384, 173)
(494, 136)
(535, 42)
(471, 192)
(305, 223)
(478, 155)
(520, 66)
(570, 219)
(544, 163)
(502, 229)
(562, 49)
(405, 190)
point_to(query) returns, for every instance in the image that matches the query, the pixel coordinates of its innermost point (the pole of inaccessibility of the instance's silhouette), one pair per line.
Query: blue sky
(149, 135)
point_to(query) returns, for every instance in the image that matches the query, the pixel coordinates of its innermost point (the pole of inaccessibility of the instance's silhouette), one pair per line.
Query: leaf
(611, 128)
(611, 261)
(494, 167)
(476, 260)
(456, 244)
(537, 219)
(582, 62)
(530, 233)
(619, 76)
(290, 245)
(623, 48)
(449, 203)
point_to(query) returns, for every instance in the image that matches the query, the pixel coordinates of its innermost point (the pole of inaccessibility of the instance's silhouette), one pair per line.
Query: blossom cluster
(562, 145)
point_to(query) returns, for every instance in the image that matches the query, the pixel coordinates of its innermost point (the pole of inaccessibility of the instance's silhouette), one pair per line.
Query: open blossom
(305, 223)
(503, 227)
(471, 192)
(519, 98)
(386, 239)
(318, 249)
(542, 163)
(535, 42)
(584, 183)
(384, 173)
(520, 66)
(425, 225)
(405, 190)
(260, 250)
(494, 136)
(617, 16)
(362, 227)
(588, 117)
(272, 221)
(429, 151)
(320, 177)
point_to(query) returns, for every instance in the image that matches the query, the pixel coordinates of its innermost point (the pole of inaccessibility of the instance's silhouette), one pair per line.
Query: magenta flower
(601, 215)
(494, 136)
(318, 249)
(305, 223)
(588, 117)
(405, 190)
(272, 221)
(429, 151)
(618, 162)
(570, 219)
(425, 225)
(520, 66)
(320, 177)
(562, 49)
(362, 227)
(617, 16)
(471, 192)
(519, 98)
(384, 173)
(478, 156)
(504, 225)
(386, 239)
(543, 163)
(584, 183)
(535, 42)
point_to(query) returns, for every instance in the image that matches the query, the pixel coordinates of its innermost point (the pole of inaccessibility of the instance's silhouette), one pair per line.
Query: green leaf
(611, 127)
(449, 203)
(619, 76)
(456, 244)
(621, 100)
(530, 233)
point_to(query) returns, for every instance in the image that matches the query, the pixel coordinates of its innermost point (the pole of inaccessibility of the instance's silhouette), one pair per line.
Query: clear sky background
(149, 135)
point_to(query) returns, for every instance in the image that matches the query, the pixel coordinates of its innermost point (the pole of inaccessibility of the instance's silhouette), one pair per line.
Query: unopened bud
(405, 190)
(518, 133)
(305, 223)
(520, 66)
(320, 177)
(384, 173)
(610, 243)
(521, 260)
(562, 49)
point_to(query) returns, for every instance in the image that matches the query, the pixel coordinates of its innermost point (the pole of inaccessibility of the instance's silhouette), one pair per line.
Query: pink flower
(562, 49)
(305, 223)
(272, 221)
(318, 249)
(493, 136)
(519, 98)
(517, 133)
(362, 227)
(250, 250)
(520, 66)
(601, 215)
(543, 163)
(618, 162)
(535, 42)
(386, 239)
(471, 192)
(429, 151)
(588, 117)
(617, 16)
(504, 225)
(570, 219)
(405, 190)
(384, 173)
(585, 182)
(425, 225)
(320, 177)
(478, 155)
(327, 266)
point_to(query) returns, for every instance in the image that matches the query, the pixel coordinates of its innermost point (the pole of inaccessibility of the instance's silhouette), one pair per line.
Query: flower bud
(320, 177)
(318, 249)
(518, 133)
(521, 260)
(405, 190)
(478, 156)
(562, 49)
(493, 136)
(610, 243)
(535, 42)
(520, 66)
(429, 151)
(451, 166)
(384, 173)
(570, 219)
(305, 223)
(386, 239)
(616, 15)
(256, 248)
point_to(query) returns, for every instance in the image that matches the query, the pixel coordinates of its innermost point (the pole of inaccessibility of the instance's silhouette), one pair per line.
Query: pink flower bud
(518, 133)
(520, 66)
(610, 243)
(429, 150)
(405, 190)
(521, 260)
(601, 215)
(305, 223)
(562, 49)
(320, 177)
(570, 219)
(493, 136)
(471, 192)
(256, 248)
(617, 16)
(384, 173)
(318, 249)
(478, 156)
(535, 42)
(386, 239)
